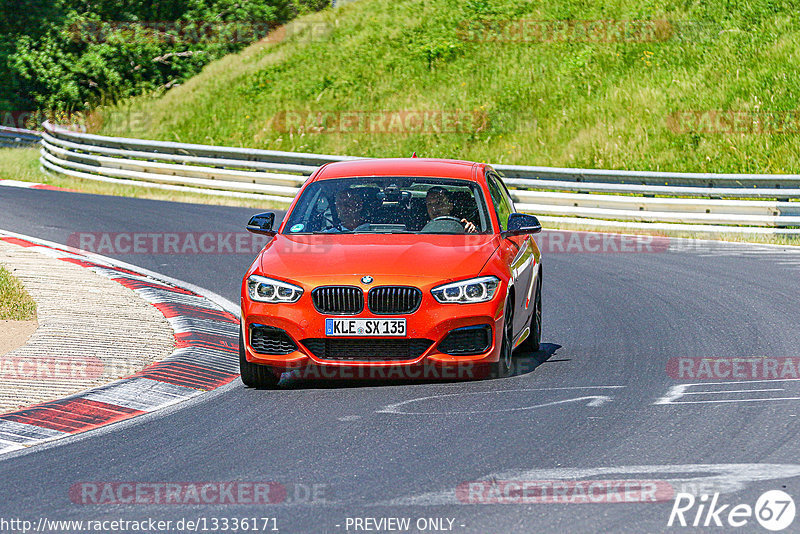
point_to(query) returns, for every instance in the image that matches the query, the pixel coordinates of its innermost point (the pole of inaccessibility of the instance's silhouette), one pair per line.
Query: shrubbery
(71, 55)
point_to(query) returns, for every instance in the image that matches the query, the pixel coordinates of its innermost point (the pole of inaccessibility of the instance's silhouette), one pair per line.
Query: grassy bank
(559, 98)
(15, 303)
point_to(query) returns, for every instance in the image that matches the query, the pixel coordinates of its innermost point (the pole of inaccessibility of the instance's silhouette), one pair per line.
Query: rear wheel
(502, 367)
(254, 375)
(534, 339)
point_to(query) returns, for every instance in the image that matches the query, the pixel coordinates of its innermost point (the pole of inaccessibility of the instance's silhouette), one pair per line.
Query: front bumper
(432, 321)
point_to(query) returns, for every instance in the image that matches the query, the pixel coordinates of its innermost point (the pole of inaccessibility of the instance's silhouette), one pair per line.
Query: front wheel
(254, 375)
(502, 368)
(534, 339)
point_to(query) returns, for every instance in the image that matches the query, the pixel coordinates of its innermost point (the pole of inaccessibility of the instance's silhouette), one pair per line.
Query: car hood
(393, 258)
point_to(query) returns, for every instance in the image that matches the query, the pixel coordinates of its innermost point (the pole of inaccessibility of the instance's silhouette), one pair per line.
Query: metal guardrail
(730, 200)
(15, 137)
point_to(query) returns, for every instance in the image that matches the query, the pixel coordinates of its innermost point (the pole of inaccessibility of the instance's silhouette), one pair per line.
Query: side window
(505, 192)
(502, 203)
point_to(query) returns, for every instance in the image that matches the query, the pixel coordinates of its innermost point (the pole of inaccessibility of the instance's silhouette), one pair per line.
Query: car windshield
(386, 205)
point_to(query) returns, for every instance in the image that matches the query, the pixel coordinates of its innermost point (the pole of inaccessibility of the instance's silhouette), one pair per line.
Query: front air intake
(270, 340)
(365, 350)
(467, 340)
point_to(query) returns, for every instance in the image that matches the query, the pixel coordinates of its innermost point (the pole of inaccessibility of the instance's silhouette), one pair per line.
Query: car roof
(437, 168)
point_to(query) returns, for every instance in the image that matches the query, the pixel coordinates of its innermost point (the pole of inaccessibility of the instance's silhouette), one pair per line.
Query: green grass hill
(674, 85)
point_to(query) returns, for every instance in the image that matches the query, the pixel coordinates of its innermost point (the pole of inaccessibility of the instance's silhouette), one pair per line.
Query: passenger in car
(439, 203)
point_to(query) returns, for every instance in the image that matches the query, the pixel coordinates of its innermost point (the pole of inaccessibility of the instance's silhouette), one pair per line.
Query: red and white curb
(32, 185)
(206, 354)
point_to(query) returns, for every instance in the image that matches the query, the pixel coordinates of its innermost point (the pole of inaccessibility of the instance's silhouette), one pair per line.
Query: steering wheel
(446, 218)
(445, 224)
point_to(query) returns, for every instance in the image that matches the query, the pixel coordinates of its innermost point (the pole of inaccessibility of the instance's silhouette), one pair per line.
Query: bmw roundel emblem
(366, 279)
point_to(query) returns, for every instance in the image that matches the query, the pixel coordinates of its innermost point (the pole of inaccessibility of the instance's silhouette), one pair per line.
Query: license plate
(365, 327)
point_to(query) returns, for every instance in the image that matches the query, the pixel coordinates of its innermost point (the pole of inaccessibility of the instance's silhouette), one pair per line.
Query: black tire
(502, 368)
(533, 342)
(254, 375)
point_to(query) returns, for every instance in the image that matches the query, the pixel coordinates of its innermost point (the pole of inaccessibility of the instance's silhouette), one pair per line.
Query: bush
(72, 55)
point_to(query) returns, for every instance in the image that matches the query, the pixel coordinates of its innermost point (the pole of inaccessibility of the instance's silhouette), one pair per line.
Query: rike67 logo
(774, 510)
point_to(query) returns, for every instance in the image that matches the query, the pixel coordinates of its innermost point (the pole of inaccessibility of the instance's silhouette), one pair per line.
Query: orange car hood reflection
(428, 257)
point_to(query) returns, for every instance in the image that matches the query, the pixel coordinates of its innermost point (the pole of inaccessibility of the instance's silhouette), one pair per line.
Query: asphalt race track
(598, 396)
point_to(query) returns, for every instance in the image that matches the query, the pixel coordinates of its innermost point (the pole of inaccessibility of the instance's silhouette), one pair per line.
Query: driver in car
(440, 204)
(349, 208)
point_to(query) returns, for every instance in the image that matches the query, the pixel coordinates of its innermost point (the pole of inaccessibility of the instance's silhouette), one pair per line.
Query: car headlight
(263, 289)
(467, 291)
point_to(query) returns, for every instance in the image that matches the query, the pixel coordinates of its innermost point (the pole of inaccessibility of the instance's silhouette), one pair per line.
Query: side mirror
(522, 223)
(262, 224)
